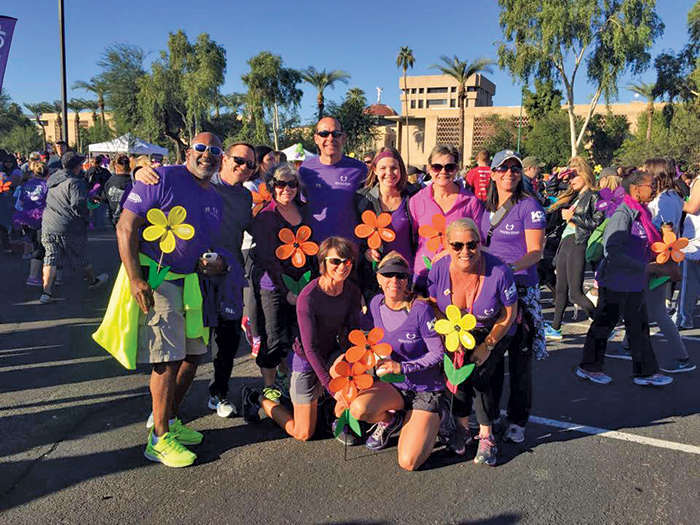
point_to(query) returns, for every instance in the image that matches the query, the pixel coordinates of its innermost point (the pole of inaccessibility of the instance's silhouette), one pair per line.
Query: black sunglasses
(399, 276)
(202, 148)
(248, 163)
(513, 169)
(449, 168)
(325, 133)
(281, 184)
(458, 246)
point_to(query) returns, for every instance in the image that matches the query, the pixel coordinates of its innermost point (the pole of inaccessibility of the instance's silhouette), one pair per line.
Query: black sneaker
(346, 436)
(454, 436)
(251, 406)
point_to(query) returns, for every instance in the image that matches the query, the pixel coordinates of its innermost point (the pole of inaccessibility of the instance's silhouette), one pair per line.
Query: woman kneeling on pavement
(417, 354)
(479, 284)
(327, 310)
(622, 277)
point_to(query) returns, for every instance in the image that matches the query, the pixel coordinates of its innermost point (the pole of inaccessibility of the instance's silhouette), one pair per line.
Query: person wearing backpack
(578, 207)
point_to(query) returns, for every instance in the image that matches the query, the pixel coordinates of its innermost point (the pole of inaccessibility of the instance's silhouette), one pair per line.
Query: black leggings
(571, 267)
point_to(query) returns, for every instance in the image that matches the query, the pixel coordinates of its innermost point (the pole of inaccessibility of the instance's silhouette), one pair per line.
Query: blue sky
(360, 37)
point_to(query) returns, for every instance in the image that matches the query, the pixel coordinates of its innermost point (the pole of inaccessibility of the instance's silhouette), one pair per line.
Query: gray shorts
(72, 246)
(162, 331)
(306, 387)
(425, 401)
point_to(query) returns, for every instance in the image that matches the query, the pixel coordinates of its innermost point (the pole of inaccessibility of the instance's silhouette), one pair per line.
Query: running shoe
(255, 347)
(250, 405)
(514, 434)
(487, 453)
(272, 393)
(383, 432)
(619, 352)
(551, 334)
(185, 435)
(346, 436)
(223, 407)
(99, 281)
(596, 377)
(681, 365)
(653, 380)
(613, 334)
(454, 436)
(169, 451)
(34, 281)
(45, 298)
(149, 421)
(247, 329)
(282, 383)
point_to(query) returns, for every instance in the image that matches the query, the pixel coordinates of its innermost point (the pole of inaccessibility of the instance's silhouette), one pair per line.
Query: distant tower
(379, 94)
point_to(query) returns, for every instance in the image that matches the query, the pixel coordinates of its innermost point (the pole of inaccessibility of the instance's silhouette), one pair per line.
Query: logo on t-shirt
(431, 325)
(509, 230)
(537, 216)
(213, 210)
(411, 336)
(489, 312)
(510, 227)
(133, 197)
(344, 178)
(511, 292)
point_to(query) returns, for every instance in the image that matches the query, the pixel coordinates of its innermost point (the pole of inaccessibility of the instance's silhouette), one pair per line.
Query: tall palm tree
(404, 60)
(92, 105)
(322, 80)
(645, 91)
(97, 86)
(57, 107)
(461, 71)
(77, 105)
(37, 109)
(355, 93)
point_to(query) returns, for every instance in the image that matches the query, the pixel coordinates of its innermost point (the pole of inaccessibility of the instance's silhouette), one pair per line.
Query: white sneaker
(45, 298)
(224, 408)
(514, 434)
(99, 281)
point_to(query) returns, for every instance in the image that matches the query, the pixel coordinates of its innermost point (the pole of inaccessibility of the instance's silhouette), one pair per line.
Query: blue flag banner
(7, 28)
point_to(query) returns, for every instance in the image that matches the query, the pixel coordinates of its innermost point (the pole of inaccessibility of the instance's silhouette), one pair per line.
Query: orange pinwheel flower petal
(435, 244)
(351, 379)
(375, 335)
(374, 241)
(374, 229)
(663, 257)
(303, 234)
(383, 220)
(286, 236)
(434, 233)
(357, 337)
(670, 248)
(309, 248)
(369, 218)
(284, 251)
(387, 234)
(363, 230)
(382, 349)
(338, 383)
(355, 353)
(363, 381)
(297, 246)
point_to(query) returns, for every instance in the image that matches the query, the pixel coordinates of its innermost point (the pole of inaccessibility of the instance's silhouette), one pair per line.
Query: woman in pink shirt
(442, 199)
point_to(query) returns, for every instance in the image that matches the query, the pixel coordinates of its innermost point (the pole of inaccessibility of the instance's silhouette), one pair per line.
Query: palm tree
(97, 86)
(645, 91)
(77, 105)
(37, 109)
(404, 60)
(461, 71)
(57, 107)
(356, 94)
(93, 106)
(322, 80)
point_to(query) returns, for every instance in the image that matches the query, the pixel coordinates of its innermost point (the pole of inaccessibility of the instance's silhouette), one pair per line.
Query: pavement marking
(42, 364)
(8, 328)
(614, 434)
(656, 333)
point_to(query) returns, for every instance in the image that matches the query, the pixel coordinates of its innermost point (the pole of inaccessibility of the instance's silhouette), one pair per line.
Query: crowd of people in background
(267, 250)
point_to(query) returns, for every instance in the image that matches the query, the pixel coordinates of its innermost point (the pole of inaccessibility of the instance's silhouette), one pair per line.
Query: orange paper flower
(5, 186)
(670, 248)
(261, 198)
(351, 380)
(366, 347)
(296, 246)
(434, 233)
(374, 229)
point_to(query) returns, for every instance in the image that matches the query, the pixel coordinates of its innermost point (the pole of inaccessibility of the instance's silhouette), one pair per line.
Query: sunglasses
(449, 168)
(248, 163)
(325, 133)
(515, 170)
(458, 246)
(203, 148)
(399, 276)
(368, 162)
(337, 261)
(281, 184)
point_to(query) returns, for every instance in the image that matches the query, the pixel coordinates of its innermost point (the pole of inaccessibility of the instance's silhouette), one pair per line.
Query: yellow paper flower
(598, 168)
(456, 329)
(167, 228)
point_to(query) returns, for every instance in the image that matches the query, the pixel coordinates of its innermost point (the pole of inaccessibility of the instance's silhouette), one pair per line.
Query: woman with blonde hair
(578, 208)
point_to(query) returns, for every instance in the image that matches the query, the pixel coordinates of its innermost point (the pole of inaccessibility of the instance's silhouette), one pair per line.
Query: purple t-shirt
(508, 239)
(177, 187)
(401, 226)
(415, 344)
(331, 191)
(423, 207)
(498, 289)
(321, 318)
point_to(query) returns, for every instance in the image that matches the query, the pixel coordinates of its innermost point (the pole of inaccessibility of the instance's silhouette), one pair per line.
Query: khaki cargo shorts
(162, 331)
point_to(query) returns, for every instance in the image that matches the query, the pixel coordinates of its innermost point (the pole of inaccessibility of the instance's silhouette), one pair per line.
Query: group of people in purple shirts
(484, 262)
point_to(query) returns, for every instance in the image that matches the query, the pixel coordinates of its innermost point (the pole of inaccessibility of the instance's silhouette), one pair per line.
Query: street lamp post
(64, 90)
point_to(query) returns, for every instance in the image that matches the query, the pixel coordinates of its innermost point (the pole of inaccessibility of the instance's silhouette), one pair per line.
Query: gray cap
(608, 172)
(71, 159)
(530, 161)
(502, 156)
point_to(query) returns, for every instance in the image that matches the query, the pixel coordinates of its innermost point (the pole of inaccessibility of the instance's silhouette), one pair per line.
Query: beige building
(433, 115)
(50, 123)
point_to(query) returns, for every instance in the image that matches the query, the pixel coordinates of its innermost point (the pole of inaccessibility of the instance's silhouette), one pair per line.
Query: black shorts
(425, 401)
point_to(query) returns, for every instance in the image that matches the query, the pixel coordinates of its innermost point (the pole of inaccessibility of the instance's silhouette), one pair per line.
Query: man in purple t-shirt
(162, 337)
(331, 180)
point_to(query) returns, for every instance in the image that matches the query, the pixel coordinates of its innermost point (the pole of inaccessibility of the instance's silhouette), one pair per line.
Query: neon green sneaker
(185, 435)
(168, 451)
